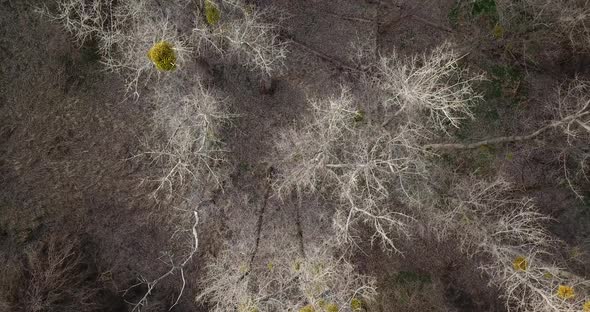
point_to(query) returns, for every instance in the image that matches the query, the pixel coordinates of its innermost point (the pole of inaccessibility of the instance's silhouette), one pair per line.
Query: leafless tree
(174, 267)
(433, 85)
(286, 281)
(244, 33)
(54, 276)
(487, 220)
(124, 31)
(359, 165)
(186, 144)
(570, 19)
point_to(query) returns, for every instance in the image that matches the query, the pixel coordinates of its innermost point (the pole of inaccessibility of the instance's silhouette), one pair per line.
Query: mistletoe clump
(212, 13)
(163, 56)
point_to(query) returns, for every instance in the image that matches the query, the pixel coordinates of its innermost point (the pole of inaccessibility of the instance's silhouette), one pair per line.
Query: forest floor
(67, 135)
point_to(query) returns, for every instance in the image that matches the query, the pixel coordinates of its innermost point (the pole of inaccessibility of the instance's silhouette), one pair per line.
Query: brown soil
(66, 134)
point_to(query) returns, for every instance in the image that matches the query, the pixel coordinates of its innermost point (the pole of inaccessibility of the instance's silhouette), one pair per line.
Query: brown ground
(65, 134)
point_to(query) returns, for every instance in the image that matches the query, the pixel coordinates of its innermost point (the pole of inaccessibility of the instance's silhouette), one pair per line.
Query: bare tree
(286, 281)
(573, 110)
(487, 220)
(185, 143)
(174, 267)
(54, 277)
(125, 31)
(244, 33)
(359, 165)
(572, 116)
(433, 85)
(569, 19)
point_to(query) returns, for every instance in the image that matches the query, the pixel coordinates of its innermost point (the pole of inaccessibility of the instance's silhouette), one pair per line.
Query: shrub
(565, 292)
(58, 278)
(307, 308)
(330, 307)
(356, 305)
(520, 264)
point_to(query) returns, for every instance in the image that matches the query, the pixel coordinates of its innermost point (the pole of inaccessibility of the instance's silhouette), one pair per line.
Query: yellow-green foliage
(356, 305)
(212, 14)
(247, 307)
(565, 292)
(307, 308)
(498, 31)
(163, 56)
(331, 308)
(297, 266)
(520, 264)
(359, 116)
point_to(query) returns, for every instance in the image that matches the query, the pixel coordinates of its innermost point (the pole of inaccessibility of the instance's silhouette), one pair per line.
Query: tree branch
(505, 139)
(179, 267)
(338, 63)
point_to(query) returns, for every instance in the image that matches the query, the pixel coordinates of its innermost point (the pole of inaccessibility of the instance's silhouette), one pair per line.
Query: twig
(427, 22)
(151, 285)
(349, 18)
(298, 224)
(260, 220)
(325, 57)
(261, 214)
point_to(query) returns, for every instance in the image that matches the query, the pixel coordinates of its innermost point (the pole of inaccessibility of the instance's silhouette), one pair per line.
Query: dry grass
(11, 279)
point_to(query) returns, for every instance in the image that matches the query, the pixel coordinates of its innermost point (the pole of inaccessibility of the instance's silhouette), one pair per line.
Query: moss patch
(409, 284)
(484, 7)
(484, 10)
(454, 14)
(503, 92)
(406, 278)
